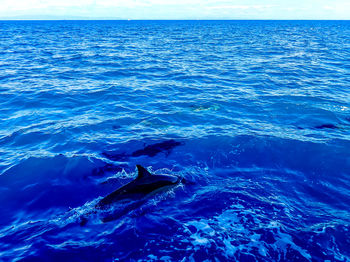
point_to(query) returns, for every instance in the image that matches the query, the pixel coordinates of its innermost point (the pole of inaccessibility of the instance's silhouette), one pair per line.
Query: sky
(175, 9)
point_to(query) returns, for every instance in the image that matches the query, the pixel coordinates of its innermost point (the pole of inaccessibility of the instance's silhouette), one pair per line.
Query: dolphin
(154, 149)
(151, 150)
(144, 184)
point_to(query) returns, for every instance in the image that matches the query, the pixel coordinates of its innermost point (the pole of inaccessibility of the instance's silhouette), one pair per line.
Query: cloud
(344, 7)
(241, 7)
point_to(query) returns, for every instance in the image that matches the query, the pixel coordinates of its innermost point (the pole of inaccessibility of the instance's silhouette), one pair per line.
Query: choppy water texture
(255, 115)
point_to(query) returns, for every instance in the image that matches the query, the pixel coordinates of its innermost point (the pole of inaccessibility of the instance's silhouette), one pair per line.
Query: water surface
(255, 115)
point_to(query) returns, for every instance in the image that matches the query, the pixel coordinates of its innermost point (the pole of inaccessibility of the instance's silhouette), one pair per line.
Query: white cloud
(344, 7)
(241, 7)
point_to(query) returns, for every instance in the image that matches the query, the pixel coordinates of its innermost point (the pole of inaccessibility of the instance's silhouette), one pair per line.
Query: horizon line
(119, 19)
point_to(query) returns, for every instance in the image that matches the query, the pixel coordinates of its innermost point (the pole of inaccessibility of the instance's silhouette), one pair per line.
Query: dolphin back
(142, 185)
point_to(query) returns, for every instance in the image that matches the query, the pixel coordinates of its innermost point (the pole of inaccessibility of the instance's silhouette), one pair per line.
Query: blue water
(255, 115)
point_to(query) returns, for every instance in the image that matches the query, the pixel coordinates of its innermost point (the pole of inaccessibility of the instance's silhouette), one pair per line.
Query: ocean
(253, 115)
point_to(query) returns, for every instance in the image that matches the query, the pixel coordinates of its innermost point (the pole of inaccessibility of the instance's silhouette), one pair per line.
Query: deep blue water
(255, 115)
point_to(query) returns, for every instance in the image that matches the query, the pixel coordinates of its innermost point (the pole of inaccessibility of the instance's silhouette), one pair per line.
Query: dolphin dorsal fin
(142, 172)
